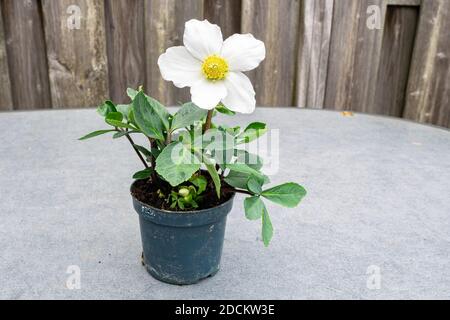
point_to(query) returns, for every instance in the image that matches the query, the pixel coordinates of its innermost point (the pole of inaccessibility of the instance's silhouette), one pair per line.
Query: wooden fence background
(320, 53)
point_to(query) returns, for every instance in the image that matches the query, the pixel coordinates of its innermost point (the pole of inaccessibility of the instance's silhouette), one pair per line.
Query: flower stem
(135, 149)
(238, 191)
(168, 137)
(152, 159)
(208, 121)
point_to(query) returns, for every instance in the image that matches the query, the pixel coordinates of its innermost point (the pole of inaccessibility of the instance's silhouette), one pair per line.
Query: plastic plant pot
(182, 247)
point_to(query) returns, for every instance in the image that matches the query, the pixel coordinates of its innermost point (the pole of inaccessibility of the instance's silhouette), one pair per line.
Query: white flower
(213, 68)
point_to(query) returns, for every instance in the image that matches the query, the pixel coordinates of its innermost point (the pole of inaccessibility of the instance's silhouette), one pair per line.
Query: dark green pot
(182, 247)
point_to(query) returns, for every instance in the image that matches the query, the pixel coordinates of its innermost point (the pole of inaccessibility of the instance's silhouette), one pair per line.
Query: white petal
(202, 38)
(241, 95)
(207, 94)
(243, 52)
(180, 67)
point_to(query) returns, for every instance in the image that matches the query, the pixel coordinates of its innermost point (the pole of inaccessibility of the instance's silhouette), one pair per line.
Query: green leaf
(124, 109)
(267, 228)
(243, 168)
(237, 179)
(288, 195)
(106, 108)
(214, 176)
(254, 208)
(144, 174)
(218, 140)
(224, 110)
(254, 185)
(121, 134)
(115, 119)
(233, 131)
(119, 124)
(176, 164)
(162, 112)
(144, 151)
(117, 116)
(95, 134)
(132, 93)
(252, 132)
(187, 115)
(252, 160)
(200, 182)
(211, 167)
(147, 117)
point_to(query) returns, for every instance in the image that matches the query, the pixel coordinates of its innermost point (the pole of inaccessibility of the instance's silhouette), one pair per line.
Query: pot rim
(191, 212)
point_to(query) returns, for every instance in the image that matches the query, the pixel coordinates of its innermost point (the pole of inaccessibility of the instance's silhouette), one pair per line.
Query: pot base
(171, 280)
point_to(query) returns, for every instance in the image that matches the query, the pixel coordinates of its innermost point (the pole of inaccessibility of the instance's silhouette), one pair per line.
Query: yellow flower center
(215, 68)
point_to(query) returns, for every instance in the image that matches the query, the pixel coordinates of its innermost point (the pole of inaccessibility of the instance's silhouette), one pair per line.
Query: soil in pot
(147, 192)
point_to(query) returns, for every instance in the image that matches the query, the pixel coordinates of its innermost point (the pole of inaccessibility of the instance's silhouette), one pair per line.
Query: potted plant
(193, 167)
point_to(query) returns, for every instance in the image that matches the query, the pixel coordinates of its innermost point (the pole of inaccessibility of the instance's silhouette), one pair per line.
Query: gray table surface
(378, 199)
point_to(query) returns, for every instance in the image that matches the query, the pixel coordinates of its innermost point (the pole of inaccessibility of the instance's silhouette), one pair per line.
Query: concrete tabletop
(375, 224)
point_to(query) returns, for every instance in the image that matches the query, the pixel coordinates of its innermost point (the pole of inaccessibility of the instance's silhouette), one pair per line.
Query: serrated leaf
(176, 164)
(267, 228)
(95, 134)
(144, 174)
(187, 115)
(288, 195)
(147, 118)
(254, 208)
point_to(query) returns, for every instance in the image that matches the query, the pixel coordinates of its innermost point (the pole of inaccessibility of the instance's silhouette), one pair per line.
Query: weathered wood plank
(277, 24)
(397, 48)
(354, 55)
(428, 93)
(126, 46)
(27, 60)
(226, 14)
(314, 47)
(344, 36)
(77, 57)
(5, 84)
(164, 28)
(404, 2)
